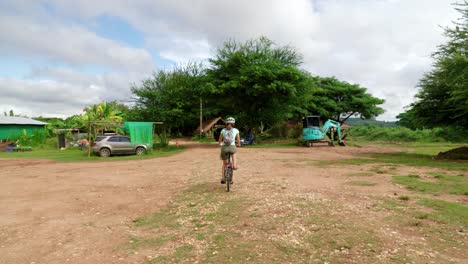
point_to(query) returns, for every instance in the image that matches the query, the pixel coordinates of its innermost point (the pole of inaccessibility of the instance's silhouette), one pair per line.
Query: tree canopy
(443, 96)
(341, 100)
(257, 81)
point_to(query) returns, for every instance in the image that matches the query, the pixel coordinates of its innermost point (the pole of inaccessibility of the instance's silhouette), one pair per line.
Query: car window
(99, 139)
(124, 139)
(113, 139)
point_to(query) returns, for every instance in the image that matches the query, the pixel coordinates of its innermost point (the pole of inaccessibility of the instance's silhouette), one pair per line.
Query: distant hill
(359, 121)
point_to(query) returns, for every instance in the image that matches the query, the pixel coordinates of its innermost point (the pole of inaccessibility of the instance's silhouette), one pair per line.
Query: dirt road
(83, 212)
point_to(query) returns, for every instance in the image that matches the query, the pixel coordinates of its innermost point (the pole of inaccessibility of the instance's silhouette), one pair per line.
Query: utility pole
(201, 114)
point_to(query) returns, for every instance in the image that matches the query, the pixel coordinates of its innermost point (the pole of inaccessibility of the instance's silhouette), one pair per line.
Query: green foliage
(50, 152)
(358, 122)
(442, 99)
(52, 123)
(36, 139)
(256, 81)
(403, 134)
(340, 100)
(172, 97)
(104, 111)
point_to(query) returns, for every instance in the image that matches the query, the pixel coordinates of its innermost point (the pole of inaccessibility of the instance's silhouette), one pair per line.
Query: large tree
(338, 100)
(443, 96)
(256, 81)
(172, 96)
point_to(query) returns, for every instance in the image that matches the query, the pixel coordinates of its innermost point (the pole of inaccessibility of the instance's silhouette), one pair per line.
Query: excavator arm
(333, 124)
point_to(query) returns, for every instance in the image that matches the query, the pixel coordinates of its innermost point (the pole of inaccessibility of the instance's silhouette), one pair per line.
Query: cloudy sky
(58, 56)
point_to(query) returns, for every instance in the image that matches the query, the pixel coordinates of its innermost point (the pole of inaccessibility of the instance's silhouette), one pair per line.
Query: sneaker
(235, 168)
(223, 181)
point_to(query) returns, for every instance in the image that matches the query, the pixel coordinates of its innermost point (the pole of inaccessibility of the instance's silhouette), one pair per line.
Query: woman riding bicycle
(227, 141)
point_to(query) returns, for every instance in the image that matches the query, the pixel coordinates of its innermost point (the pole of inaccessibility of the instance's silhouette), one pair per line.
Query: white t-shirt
(229, 136)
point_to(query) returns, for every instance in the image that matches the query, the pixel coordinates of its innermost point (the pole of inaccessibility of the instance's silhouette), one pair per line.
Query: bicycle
(228, 172)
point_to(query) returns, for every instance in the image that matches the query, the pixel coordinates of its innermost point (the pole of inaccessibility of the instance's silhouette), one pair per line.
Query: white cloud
(69, 44)
(383, 45)
(58, 92)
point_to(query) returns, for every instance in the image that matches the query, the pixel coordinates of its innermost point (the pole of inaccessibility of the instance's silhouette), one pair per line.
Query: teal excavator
(329, 133)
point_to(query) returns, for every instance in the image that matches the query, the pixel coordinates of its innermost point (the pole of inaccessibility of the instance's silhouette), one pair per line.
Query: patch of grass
(447, 212)
(379, 170)
(155, 242)
(403, 197)
(409, 159)
(390, 204)
(76, 155)
(362, 183)
(420, 160)
(445, 184)
(415, 223)
(292, 144)
(181, 253)
(421, 215)
(361, 174)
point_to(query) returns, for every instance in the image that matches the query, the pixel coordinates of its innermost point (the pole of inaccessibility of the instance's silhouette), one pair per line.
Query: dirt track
(82, 212)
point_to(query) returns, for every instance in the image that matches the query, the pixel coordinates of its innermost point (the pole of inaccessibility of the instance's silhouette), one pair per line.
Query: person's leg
(234, 162)
(223, 164)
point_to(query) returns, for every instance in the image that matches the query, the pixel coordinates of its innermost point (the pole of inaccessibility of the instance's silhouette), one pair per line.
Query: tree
(172, 97)
(106, 112)
(256, 81)
(340, 100)
(443, 96)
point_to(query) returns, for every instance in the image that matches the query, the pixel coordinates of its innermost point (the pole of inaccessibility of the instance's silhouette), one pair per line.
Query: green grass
(444, 184)
(361, 174)
(76, 155)
(292, 144)
(446, 212)
(413, 147)
(235, 229)
(402, 158)
(404, 197)
(362, 183)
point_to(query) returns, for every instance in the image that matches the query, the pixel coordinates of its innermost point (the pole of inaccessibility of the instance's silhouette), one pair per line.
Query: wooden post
(89, 138)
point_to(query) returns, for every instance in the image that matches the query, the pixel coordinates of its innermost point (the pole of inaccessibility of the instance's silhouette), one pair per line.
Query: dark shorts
(227, 149)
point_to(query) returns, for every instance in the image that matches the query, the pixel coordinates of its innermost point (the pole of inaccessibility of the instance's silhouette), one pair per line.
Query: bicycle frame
(228, 172)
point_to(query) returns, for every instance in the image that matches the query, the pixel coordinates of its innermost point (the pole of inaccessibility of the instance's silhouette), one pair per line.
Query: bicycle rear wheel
(228, 178)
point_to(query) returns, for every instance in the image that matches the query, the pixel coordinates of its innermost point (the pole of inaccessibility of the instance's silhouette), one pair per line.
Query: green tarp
(9, 131)
(140, 132)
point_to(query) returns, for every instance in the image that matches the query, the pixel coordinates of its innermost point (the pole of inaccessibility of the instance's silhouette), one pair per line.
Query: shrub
(403, 134)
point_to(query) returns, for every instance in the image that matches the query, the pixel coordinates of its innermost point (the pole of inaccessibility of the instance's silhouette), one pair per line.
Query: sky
(58, 56)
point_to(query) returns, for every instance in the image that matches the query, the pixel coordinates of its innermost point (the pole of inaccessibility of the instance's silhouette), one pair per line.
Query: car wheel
(140, 151)
(105, 152)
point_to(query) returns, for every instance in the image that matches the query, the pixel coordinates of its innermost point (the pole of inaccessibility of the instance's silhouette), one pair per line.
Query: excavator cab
(311, 122)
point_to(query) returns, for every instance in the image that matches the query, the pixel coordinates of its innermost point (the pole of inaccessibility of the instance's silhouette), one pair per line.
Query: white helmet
(230, 120)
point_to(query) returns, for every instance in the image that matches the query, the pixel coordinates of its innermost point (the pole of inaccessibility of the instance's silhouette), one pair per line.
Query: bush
(403, 134)
(283, 131)
(38, 138)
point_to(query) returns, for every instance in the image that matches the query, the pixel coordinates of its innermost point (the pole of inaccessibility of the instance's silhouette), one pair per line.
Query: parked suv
(116, 144)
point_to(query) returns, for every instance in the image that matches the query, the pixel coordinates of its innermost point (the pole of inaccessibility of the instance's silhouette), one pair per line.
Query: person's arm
(220, 139)
(238, 140)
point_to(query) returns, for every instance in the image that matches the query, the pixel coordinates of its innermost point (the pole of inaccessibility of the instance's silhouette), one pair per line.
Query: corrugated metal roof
(16, 120)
